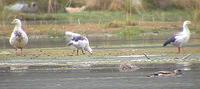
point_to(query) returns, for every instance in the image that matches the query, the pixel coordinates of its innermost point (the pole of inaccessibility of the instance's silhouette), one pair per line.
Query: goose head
(90, 50)
(17, 22)
(186, 22)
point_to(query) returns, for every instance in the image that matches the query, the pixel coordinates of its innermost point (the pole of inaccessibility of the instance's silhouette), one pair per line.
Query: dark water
(98, 80)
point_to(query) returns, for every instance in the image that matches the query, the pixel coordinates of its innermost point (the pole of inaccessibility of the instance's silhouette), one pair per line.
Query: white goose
(181, 38)
(18, 38)
(79, 42)
(71, 35)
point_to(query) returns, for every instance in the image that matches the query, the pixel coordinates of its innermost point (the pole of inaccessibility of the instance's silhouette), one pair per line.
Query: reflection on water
(94, 41)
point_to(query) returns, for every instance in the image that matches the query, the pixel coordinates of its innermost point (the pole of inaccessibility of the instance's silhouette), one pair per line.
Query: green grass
(195, 29)
(168, 15)
(85, 17)
(139, 32)
(130, 32)
(128, 24)
(107, 16)
(55, 33)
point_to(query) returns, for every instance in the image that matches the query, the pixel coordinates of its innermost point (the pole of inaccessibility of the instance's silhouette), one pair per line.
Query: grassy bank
(106, 16)
(152, 24)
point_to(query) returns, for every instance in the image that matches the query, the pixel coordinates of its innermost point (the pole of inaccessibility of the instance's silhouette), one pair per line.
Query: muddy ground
(65, 52)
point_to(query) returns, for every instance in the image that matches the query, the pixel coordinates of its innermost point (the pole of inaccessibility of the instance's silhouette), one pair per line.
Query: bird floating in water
(18, 38)
(79, 42)
(176, 72)
(181, 38)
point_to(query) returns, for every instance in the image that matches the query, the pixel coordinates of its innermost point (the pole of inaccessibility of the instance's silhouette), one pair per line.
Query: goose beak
(91, 53)
(189, 22)
(13, 22)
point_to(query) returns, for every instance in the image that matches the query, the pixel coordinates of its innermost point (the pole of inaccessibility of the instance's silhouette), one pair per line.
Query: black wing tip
(77, 38)
(172, 39)
(164, 45)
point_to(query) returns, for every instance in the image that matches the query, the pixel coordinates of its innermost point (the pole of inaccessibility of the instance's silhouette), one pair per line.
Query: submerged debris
(127, 67)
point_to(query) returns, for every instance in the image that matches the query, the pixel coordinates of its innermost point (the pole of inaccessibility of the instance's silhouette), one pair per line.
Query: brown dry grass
(130, 6)
(147, 4)
(61, 28)
(98, 4)
(187, 4)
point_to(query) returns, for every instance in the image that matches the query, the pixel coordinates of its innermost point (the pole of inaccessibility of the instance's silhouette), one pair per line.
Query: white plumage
(71, 35)
(181, 38)
(18, 38)
(79, 42)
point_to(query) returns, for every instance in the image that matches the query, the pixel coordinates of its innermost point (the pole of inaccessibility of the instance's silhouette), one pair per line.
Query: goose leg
(77, 51)
(83, 51)
(16, 53)
(73, 52)
(179, 50)
(21, 51)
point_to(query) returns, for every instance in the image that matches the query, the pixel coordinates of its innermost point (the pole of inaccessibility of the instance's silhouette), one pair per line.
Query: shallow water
(95, 42)
(60, 42)
(98, 80)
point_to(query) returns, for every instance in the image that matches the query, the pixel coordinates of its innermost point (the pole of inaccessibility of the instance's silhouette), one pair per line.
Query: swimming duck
(166, 73)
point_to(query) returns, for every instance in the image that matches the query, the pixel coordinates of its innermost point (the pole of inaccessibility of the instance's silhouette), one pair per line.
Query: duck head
(178, 72)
